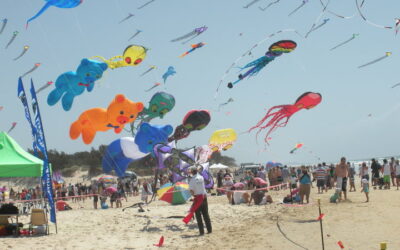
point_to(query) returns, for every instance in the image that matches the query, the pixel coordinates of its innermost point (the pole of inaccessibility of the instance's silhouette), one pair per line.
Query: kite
(275, 50)
(57, 3)
(15, 34)
(196, 32)
(269, 5)
(48, 84)
(225, 103)
(134, 35)
(71, 84)
(298, 145)
(26, 47)
(234, 64)
(250, 4)
(170, 72)
(222, 139)
(126, 18)
(335, 14)
(154, 86)
(343, 43)
(397, 84)
(121, 152)
(301, 5)
(314, 28)
(150, 69)
(281, 114)
(3, 26)
(194, 47)
(160, 104)
(161, 241)
(133, 55)
(144, 5)
(31, 70)
(387, 54)
(1, 108)
(193, 120)
(397, 25)
(121, 111)
(13, 125)
(369, 22)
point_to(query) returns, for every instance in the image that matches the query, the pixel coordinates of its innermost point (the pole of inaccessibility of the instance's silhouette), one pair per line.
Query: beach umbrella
(111, 190)
(107, 179)
(177, 193)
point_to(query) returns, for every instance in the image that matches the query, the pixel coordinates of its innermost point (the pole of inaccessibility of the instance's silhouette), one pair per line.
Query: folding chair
(39, 218)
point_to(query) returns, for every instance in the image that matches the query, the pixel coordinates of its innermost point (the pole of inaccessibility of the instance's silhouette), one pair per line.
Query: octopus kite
(275, 50)
(194, 47)
(132, 56)
(57, 3)
(278, 116)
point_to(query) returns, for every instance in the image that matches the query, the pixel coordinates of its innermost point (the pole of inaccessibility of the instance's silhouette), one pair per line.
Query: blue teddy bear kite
(71, 84)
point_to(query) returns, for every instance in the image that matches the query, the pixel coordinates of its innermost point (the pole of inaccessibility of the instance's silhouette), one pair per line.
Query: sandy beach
(357, 224)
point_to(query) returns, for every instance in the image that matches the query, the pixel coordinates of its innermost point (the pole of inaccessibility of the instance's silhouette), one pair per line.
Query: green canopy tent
(16, 162)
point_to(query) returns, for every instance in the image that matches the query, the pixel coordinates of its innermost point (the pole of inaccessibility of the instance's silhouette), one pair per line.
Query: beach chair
(39, 218)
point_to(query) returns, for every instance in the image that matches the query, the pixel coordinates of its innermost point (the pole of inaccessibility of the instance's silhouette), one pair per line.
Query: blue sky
(340, 125)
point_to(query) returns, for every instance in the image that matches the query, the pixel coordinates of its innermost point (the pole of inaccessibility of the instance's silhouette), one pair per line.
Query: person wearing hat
(200, 205)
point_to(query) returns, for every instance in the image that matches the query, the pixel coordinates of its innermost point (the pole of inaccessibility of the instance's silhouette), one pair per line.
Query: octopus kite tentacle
(367, 21)
(279, 118)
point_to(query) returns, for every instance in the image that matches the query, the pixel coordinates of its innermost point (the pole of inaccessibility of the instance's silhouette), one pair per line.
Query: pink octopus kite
(282, 113)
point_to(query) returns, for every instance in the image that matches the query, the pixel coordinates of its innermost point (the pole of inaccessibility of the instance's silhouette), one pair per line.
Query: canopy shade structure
(16, 162)
(218, 166)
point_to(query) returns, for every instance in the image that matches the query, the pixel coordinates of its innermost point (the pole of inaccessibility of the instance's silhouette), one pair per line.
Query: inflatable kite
(121, 111)
(196, 32)
(133, 55)
(279, 115)
(194, 47)
(56, 3)
(170, 72)
(71, 84)
(193, 120)
(222, 139)
(123, 151)
(298, 146)
(275, 50)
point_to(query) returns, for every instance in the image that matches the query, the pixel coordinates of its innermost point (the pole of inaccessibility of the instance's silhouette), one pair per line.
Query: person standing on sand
(393, 171)
(397, 168)
(352, 173)
(198, 190)
(364, 172)
(375, 167)
(386, 174)
(341, 172)
(305, 185)
(365, 188)
(320, 176)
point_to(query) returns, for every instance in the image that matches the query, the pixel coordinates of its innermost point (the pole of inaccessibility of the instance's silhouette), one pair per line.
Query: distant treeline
(91, 161)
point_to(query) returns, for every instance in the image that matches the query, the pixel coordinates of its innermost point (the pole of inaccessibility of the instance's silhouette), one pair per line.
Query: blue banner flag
(41, 143)
(22, 97)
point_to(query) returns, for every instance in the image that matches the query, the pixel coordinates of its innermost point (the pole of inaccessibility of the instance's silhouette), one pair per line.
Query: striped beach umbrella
(177, 193)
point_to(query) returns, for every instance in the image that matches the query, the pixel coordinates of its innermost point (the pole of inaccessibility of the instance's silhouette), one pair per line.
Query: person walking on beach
(341, 172)
(386, 174)
(365, 188)
(352, 173)
(364, 172)
(397, 168)
(393, 170)
(200, 205)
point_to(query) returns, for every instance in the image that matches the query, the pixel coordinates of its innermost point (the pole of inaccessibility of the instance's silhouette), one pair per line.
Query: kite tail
(184, 54)
(198, 34)
(4, 25)
(197, 201)
(295, 10)
(184, 36)
(271, 124)
(268, 115)
(43, 9)
(372, 62)
(343, 43)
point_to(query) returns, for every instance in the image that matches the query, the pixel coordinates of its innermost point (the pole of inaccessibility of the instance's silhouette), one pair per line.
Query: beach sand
(357, 224)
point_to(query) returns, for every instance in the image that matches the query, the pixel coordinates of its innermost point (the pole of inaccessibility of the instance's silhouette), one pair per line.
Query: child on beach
(365, 188)
(397, 170)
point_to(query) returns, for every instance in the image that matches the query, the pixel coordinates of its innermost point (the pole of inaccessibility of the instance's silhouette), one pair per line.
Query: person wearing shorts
(341, 172)
(386, 174)
(305, 185)
(397, 171)
(320, 175)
